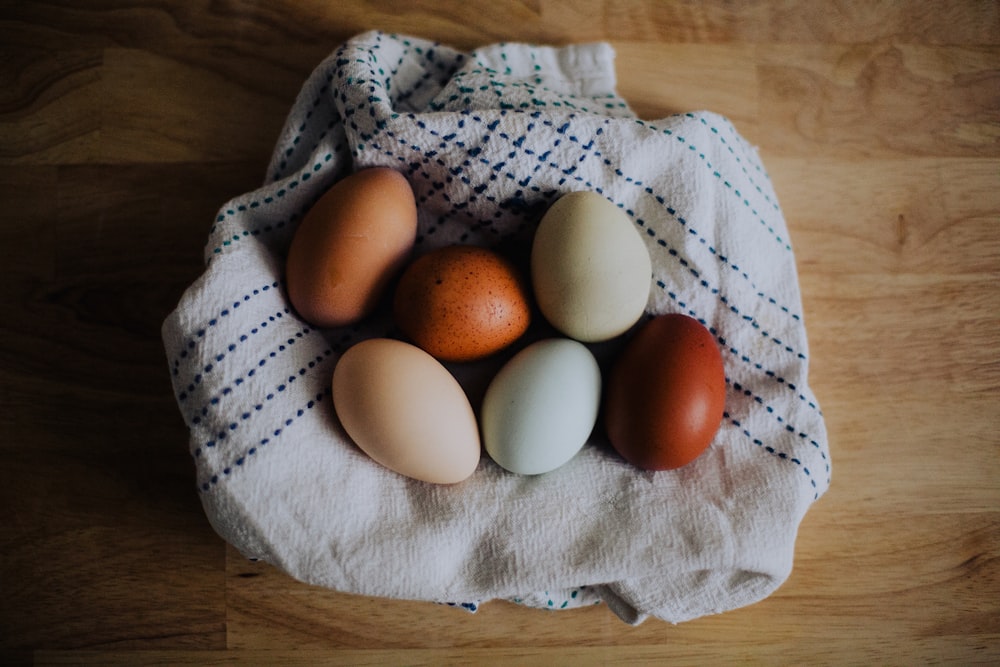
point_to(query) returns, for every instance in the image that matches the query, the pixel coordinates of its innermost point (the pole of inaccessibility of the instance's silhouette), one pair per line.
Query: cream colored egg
(406, 411)
(590, 268)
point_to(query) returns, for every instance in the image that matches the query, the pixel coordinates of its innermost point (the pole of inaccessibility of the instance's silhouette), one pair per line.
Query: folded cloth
(488, 140)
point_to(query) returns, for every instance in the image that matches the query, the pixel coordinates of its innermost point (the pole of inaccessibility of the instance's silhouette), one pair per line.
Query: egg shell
(462, 303)
(666, 394)
(590, 268)
(350, 246)
(541, 407)
(406, 411)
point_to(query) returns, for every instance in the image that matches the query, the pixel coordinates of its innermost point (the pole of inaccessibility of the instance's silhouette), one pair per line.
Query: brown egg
(349, 247)
(666, 394)
(462, 303)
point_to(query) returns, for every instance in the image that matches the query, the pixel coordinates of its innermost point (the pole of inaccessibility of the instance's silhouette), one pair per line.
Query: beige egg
(590, 268)
(406, 411)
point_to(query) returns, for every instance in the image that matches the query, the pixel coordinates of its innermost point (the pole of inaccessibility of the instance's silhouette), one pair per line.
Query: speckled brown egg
(462, 303)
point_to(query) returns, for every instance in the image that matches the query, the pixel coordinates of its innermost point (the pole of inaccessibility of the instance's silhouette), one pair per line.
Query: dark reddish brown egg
(462, 303)
(666, 394)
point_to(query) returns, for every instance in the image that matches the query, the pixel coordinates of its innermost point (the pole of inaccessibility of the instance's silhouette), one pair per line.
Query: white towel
(488, 140)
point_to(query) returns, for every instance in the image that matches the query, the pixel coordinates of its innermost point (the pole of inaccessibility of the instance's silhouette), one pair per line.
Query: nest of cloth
(488, 139)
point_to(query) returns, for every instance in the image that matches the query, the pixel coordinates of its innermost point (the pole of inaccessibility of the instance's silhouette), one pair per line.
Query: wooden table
(124, 125)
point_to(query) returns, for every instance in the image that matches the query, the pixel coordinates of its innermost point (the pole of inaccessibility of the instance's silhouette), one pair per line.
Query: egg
(541, 407)
(350, 245)
(406, 411)
(666, 394)
(462, 303)
(590, 268)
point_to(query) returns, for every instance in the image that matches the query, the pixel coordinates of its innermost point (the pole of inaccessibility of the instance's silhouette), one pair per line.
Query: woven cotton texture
(488, 140)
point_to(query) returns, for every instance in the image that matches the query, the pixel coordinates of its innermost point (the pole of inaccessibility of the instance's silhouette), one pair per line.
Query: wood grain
(125, 124)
